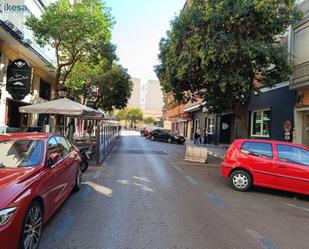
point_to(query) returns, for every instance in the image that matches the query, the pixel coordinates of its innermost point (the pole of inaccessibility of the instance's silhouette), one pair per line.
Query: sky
(140, 24)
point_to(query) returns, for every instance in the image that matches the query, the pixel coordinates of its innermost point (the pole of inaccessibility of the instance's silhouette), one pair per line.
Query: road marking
(177, 168)
(216, 200)
(96, 175)
(302, 208)
(63, 227)
(190, 179)
(266, 244)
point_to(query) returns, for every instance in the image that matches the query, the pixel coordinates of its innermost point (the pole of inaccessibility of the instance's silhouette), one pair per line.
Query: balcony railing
(300, 76)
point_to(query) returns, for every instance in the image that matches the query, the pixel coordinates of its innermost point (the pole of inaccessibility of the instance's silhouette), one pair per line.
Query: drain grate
(140, 152)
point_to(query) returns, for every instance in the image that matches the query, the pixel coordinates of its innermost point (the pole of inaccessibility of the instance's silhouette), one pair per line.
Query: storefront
(269, 111)
(25, 79)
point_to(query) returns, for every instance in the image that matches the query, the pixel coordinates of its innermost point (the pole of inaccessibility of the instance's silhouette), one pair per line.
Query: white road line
(266, 244)
(302, 208)
(254, 234)
(190, 179)
(177, 168)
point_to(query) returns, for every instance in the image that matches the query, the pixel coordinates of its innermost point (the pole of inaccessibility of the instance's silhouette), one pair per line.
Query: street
(146, 196)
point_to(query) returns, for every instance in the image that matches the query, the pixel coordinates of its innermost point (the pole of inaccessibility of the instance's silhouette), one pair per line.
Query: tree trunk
(243, 126)
(241, 111)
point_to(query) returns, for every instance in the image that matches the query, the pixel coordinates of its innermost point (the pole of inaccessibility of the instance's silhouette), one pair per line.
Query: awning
(62, 106)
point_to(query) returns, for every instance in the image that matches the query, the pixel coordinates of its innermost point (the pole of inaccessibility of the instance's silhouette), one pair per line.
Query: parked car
(273, 164)
(166, 136)
(148, 129)
(37, 173)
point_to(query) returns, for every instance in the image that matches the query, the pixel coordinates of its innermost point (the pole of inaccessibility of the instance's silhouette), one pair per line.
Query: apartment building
(26, 75)
(299, 40)
(135, 99)
(153, 99)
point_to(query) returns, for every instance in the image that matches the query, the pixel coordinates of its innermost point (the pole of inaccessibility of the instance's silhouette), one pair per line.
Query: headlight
(6, 215)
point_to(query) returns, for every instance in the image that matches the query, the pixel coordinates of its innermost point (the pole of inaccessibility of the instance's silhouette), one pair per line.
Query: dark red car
(37, 173)
(266, 163)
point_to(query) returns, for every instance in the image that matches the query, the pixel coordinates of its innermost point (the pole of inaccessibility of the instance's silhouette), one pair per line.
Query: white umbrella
(62, 106)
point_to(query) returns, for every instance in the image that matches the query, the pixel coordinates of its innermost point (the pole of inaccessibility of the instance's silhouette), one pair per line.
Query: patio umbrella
(62, 106)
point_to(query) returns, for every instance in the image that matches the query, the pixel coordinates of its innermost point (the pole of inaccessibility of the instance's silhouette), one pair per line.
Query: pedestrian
(196, 136)
(202, 136)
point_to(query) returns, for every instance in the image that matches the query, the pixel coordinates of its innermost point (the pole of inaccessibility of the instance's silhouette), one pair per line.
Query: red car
(37, 173)
(266, 163)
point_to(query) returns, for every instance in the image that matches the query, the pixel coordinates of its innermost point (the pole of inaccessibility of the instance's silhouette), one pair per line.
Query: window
(260, 123)
(258, 149)
(64, 146)
(293, 154)
(196, 125)
(44, 89)
(20, 153)
(210, 125)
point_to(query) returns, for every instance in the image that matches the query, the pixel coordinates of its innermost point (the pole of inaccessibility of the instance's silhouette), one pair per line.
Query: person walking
(202, 136)
(196, 136)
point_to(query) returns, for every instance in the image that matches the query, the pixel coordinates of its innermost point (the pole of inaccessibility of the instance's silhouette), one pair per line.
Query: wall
(135, 99)
(281, 102)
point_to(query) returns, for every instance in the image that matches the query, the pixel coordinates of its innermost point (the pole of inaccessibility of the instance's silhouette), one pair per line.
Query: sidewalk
(213, 150)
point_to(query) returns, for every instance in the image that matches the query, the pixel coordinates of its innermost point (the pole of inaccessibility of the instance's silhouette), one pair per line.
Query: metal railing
(106, 138)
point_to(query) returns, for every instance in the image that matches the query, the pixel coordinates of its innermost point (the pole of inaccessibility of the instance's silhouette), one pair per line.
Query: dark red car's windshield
(20, 153)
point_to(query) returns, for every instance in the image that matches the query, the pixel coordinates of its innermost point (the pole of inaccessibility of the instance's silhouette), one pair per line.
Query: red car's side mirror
(53, 158)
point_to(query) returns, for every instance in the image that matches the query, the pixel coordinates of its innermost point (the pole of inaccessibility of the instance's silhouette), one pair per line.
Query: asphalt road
(146, 196)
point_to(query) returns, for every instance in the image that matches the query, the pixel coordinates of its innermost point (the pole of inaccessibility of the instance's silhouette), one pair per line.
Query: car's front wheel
(241, 180)
(169, 140)
(32, 227)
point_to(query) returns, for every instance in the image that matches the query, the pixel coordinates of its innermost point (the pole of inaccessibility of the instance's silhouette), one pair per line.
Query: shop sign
(187, 115)
(287, 126)
(19, 79)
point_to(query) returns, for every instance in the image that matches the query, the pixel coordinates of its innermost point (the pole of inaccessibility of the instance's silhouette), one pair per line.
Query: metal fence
(106, 138)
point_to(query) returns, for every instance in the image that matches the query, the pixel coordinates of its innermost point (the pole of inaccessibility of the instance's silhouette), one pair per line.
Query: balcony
(300, 78)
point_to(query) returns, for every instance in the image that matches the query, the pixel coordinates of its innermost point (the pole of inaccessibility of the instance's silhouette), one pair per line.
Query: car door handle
(282, 166)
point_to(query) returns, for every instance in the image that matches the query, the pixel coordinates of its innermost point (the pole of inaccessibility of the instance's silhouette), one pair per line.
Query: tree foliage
(122, 115)
(134, 115)
(73, 30)
(111, 89)
(149, 120)
(224, 50)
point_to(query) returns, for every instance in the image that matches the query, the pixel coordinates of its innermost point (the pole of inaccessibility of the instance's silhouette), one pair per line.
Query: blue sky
(139, 26)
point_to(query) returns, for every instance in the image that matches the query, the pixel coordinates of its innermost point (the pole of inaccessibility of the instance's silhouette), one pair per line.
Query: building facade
(153, 99)
(299, 40)
(135, 99)
(26, 70)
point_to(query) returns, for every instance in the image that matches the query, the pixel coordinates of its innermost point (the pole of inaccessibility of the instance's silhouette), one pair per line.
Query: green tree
(122, 115)
(72, 30)
(224, 50)
(149, 120)
(111, 89)
(134, 115)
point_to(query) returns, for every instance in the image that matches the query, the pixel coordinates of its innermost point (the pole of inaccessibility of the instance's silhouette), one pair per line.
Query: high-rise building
(135, 99)
(153, 99)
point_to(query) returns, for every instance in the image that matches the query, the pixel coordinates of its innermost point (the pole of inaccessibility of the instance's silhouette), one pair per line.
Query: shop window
(260, 123)
(210, 125)
(44, 90)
